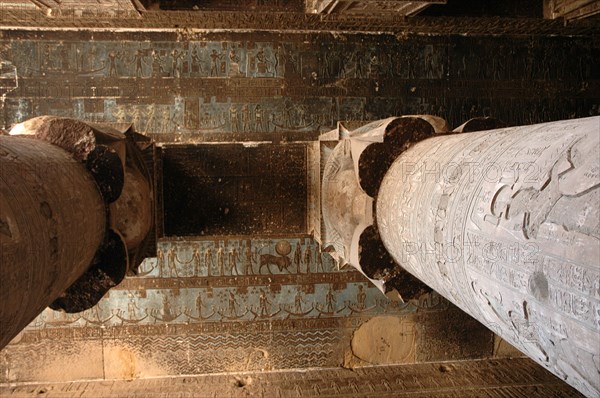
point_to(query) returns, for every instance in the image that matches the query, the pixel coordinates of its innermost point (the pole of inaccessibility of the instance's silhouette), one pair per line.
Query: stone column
(52, 222)
(506, 225)
(76, 215)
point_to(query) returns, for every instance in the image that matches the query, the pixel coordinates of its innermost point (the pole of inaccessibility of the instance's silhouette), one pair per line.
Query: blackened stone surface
(451, 334)
(230, 189)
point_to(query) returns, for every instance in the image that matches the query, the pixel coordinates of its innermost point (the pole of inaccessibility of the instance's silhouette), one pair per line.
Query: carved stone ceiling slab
(398, 7)
(76, 8)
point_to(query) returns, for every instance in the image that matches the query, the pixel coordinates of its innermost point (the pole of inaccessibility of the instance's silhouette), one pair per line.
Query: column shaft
(52, 221)
(505, 224)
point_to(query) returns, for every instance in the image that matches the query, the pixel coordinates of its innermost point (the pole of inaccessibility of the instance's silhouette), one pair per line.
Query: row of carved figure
(216, 260)
(495, 60)
(227, 304)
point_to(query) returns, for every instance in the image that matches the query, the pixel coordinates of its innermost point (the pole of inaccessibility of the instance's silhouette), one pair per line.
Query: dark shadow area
(377, 263)
(230, 189)
(377, 158)
(488, 8)
(107, 270)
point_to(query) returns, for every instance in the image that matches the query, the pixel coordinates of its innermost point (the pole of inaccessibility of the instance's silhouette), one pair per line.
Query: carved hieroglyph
(505, 224)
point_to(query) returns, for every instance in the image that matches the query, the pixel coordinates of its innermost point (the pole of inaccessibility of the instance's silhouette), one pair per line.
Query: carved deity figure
(221, 260)
(232, 304)
(263, 302)
(196, 62)
(214, 59)
(361, 297)
(131, 309)
(245, 118)
(196, 261)
(248, 260)
(233, 259)
(160, 259)
(171, 263)
(138, 59)
(208, 260)
(329, 300)
(259, 119)
(234, 119)
(308, 259)
(298, 302)
(297, 256)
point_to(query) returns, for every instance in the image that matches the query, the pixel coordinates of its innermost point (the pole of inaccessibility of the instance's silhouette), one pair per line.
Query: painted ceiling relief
(255, 292)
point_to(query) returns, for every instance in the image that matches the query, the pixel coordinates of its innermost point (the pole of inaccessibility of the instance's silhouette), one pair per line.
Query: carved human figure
(264, 65)
(374, 65)
(263, 302)
(245, 118)
(233, 259)
(151, 122)
(166, 310)
(234, 63)
(160, 259)
(208, 260)
(319, 263)
(361, 297)
(79, 59)
(323, 64)
(157, 64)
(329, 300)
(196, 62)
(196, 261)
(176, 62)
(92, 58)
(132, 309)
(248, 260)
(288, 119)
(259, 119)
(221, 261)
(112, 63)
(136, 117)
(359, 69)
(171, 262)
(232, 304)
(308, 259)
(298, 300)
(214, 62)
(429, 65)
(234, 119)
(138, 59)
(297, 257)
(166, 120)
(301, 110)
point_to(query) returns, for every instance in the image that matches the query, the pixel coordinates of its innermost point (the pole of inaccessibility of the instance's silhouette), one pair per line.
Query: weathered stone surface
(393, 7)
(52, 221)
(184, 23)
(131, 214)
(495, 378)
(172, 86)
(178, 306)
(385, 340)
(504, 223)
